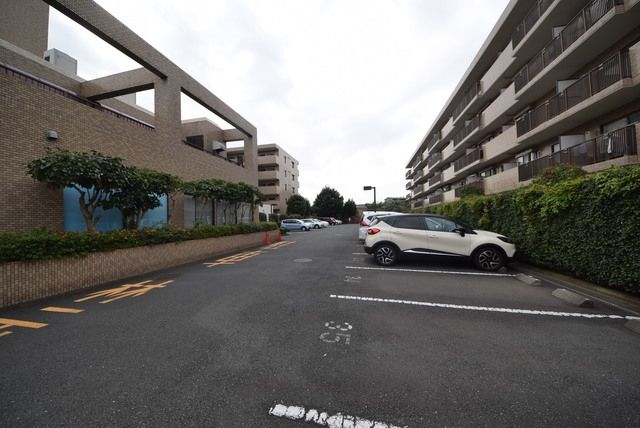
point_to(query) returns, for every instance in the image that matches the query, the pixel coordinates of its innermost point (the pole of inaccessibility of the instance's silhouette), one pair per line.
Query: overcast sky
(348, 87)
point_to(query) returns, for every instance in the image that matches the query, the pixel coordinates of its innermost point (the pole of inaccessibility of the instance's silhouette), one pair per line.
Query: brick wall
(28, 111)
(22, 282)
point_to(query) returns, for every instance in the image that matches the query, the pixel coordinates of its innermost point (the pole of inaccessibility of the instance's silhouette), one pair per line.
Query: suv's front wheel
(386, 254)
(489, 258)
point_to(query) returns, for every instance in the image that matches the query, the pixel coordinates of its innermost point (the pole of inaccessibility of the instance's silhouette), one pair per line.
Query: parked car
(315, 223)
(336, 221)
(332, 221)
(367, 218)
(323, 223)
(295, 224)
(390, 237)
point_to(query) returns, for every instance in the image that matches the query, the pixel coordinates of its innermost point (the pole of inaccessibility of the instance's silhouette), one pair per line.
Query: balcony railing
(467, 97)
(409, 185)
(434, 158)
(468, 129)
(579, 25)
(408, 173)
(435, 137)
(467, 159)
(478, 185)
(606, 74)
(436, 199)
(621, 142)
(435, 179)
(529, 21)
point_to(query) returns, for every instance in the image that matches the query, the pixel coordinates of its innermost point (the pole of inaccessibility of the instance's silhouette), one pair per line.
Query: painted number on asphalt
(338, 334)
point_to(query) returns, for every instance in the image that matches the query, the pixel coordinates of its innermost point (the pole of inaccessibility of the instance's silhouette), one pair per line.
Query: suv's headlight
(505, 239)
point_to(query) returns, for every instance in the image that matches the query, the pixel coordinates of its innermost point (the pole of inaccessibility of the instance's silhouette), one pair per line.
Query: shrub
(43, 244)
(584, 225)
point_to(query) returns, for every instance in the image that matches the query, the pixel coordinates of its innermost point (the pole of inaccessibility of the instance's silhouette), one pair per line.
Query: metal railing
(467, 97)
(434, 158)
(409, 185)
(579, 25)
(467, 159)
(534, 14)
(436, 199)
(468, 129)
(43, 84)
(408, 173)
(435, 137)
(612, 70)
(435, 179)
(479, 185)
(621, 142)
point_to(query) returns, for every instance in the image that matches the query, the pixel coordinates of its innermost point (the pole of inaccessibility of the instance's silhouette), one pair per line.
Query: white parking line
(298, 413)
(449, 272)
(360, 254)
(485, 308)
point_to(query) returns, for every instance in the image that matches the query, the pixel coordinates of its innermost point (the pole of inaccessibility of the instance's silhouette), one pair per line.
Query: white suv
(391, 236)
(367, 218)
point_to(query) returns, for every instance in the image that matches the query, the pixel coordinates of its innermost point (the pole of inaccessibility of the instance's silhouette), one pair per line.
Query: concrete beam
(127, 82)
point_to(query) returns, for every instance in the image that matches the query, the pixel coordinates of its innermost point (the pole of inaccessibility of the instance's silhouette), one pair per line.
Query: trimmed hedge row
(584, 225)
(44, 244)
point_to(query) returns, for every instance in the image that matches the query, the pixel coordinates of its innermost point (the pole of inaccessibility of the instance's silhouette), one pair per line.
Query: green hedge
(584, 225)
(43, 244)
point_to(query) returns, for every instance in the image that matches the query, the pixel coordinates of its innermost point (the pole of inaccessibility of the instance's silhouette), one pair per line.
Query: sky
(347, 87)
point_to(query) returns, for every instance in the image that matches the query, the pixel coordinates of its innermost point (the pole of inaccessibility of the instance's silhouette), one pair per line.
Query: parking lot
(311, 332)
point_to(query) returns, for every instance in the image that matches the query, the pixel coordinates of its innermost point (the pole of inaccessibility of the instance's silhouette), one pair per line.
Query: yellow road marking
(232, 259)
(5, 333)
(19, 323)
(126, 290)
(4, 326)
(62, 310)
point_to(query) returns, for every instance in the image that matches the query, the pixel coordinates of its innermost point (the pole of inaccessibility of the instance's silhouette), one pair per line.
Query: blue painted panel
(111, 219)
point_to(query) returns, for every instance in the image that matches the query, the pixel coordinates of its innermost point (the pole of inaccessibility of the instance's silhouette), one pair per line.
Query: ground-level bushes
(585, 225)
(44, 244)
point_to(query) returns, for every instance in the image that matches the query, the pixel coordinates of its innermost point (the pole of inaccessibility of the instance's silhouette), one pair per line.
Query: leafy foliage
(93, 175)
(349, 209)
(585, 225)
(328, 203)
(43, 244)
(299, 205)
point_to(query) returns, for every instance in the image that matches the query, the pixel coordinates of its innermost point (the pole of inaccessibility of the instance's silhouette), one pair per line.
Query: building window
(555, 148)
(526, 158)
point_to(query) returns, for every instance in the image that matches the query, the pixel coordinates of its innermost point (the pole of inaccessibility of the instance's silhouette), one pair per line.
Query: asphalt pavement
(310, 332)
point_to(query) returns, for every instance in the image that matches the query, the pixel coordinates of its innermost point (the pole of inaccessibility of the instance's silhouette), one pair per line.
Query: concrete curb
(633, 325)
(572, 298)
(529, 280)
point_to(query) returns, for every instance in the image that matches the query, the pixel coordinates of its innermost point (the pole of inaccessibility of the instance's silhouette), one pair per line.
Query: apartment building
(277, 174)
(43, 104)
(556, 82)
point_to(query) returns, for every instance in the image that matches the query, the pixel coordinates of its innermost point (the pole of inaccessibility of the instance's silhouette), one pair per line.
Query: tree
(93, 175)
(349, 210)
(328, 203)
(299, 205)
(140, 194)
(394, 204)
(206, 191)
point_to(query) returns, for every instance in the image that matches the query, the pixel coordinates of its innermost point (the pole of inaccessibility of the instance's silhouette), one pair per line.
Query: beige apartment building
(277, 174)
(556, 82)
(44, 104)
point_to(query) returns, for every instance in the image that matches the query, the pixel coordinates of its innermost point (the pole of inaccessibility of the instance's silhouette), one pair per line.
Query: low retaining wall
(22, 282)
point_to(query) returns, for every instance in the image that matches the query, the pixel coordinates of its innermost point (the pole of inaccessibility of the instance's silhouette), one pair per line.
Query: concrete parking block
(633, 325)
(529, 280)
(572, 298)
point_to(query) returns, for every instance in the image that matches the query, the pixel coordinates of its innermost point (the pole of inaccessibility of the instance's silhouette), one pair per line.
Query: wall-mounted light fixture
(52, 135)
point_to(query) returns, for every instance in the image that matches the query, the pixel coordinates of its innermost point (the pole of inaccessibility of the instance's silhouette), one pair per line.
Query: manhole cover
(302, 260)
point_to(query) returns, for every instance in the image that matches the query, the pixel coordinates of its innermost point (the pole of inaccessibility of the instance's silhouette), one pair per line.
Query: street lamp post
(374, 195)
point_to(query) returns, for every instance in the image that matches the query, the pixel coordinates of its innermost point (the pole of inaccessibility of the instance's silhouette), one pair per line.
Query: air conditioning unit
(218, 147)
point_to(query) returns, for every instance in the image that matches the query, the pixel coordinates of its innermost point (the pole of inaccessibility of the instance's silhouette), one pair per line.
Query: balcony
(579, 25)
(471, 126)
(467, 160)
(500, 144)
(408, 174)
(506, 180)
(435, 137)
(498, 109)
(616, 144)
(269, 190)
(529, 21)
(268, 175)
(448, 174)
(268, 160)
(609, 72)
(497, 70)
(447, 128)
(448, 151)
(436, 199)
(409, 185)
(435, 179)
(467, 97)
(477, 185)
(449, 196)
(434, 158)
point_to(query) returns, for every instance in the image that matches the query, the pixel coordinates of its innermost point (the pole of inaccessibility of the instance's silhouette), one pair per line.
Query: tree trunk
(86, 214)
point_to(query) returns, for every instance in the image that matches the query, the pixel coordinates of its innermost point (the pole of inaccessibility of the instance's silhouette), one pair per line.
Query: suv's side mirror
(459, 230)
